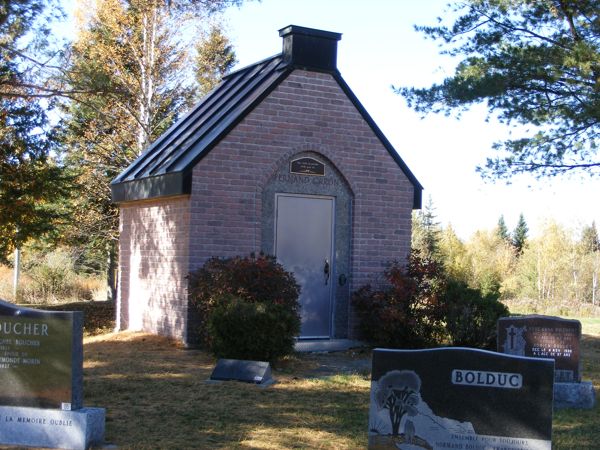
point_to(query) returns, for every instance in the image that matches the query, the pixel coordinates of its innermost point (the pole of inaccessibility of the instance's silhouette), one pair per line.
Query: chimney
(309, 48)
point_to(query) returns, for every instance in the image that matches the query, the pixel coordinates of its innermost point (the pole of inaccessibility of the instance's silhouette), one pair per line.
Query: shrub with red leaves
(408, 312)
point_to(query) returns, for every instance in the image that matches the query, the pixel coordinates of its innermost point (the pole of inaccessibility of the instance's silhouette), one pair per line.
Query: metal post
(17, 268)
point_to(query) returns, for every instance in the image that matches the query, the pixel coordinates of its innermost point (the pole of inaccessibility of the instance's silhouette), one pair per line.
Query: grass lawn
(155, 395)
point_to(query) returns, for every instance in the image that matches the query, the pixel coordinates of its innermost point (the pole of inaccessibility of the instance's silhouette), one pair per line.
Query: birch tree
(133, 64)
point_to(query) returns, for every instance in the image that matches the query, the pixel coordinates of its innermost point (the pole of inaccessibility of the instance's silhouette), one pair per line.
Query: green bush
(471, 317)
(255, 331)
(251, 280)
(407, 313)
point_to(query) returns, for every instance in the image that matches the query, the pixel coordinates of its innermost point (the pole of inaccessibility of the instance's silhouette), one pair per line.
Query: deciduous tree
(131, 62)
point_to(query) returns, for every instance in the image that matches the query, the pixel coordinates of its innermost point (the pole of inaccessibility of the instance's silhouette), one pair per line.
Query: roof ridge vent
(310, 48)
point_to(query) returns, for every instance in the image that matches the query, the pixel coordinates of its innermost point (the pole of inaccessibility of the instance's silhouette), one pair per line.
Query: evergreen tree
(426, 233)
(502, 230)
(519, 237)
(215, 58)
(28, 60)
(32, 184)
(530, 62)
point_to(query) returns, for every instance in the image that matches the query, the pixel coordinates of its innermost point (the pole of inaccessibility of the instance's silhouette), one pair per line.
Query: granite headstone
(544, 337)
(257, 372)
(41, 380)
(555, 338)
(460, 398)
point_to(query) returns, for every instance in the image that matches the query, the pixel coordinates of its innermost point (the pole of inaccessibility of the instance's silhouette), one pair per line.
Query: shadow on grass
(156, 397)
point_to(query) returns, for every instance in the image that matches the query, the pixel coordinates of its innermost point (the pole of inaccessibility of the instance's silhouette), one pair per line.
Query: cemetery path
(337, 363)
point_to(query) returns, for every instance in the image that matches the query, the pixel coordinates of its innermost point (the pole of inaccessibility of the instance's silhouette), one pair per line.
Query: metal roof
(165, 168)
(166, 165)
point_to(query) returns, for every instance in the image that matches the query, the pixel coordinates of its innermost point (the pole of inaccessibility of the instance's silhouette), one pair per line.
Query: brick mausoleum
(280, 157)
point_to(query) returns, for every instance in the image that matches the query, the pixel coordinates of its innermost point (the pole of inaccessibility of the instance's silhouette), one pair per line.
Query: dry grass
(156, 397)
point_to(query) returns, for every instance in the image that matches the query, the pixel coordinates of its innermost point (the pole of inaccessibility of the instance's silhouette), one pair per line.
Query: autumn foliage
(407, 312)
(421, 306)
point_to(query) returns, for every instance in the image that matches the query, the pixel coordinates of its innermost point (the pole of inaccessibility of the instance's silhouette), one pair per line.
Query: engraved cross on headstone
(512, 335)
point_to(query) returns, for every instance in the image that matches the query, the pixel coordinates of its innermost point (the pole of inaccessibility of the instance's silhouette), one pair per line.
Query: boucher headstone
(555, 338)
(459, 398)
(41, 380)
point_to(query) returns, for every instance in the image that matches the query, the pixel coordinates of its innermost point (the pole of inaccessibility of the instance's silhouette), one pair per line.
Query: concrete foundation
(52, 428)
(574, 395)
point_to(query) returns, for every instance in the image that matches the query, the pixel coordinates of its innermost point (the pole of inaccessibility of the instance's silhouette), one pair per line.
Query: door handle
(326, 271)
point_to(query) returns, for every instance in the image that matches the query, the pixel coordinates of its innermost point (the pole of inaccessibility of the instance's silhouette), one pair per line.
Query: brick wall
(307, 112)
(153, 264)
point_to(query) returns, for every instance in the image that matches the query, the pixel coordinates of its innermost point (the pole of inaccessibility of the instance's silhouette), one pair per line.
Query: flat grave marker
(460, 398)
(257, 372)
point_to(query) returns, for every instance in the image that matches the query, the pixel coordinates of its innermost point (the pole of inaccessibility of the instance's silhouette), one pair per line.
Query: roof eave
(418, 188)
(164, 185)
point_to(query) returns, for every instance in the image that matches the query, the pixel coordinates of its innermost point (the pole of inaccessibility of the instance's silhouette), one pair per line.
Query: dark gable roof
(165, 168)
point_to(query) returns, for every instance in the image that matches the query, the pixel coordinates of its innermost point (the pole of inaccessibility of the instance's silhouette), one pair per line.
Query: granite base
(52, 428)
(574, 395)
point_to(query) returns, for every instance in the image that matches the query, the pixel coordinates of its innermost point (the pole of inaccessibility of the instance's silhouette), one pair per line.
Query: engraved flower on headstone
(398, 392)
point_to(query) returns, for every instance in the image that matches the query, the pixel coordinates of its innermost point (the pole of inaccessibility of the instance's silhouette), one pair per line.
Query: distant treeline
(555, 272)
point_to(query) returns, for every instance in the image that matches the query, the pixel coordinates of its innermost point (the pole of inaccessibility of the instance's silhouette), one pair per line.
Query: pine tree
(589, 239)
(529, 62)
(215, 58)
(32, 184)
(502, 230)
(519, 237)
(426, 233)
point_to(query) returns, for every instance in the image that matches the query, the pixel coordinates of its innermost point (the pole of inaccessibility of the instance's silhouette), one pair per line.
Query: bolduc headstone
(41, 380)
(459, 398)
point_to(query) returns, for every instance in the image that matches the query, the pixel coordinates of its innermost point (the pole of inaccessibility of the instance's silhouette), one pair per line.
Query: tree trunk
(147, 76)
(111, 276)
(17, 272)
(594, 286)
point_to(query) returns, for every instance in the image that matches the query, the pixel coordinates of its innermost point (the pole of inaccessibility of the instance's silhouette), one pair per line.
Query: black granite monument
(544, 337)
(555, 338)
(459, 398)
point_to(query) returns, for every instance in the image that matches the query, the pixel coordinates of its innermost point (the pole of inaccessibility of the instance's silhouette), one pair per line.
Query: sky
(380, 49)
